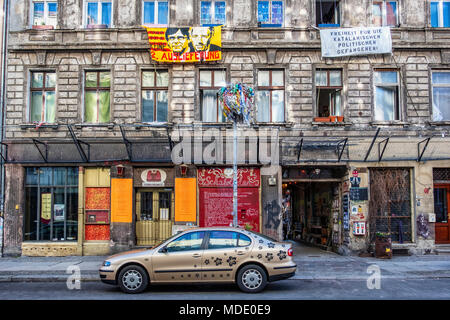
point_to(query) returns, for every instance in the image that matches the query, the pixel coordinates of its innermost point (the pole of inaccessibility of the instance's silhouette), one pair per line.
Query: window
(189, 241)
(270, 96)
(51, 204)
(43, 104)
(327, 13)
(45, 13)
(155, 86)
(97, 97)
(440, 14)
(210, 83)
(440, 82)
(386, 95)
(385, 13)
(328, 92)
(98, 13)
(212, 13)
(156, 12)
(270, 13)
(222, 239)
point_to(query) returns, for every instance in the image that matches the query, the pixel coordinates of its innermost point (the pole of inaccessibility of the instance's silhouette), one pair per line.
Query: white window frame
(437, 85)
(384, 12)
(388, 85)
(270, 12)
(156, 12)
(99, 17)
(213, 11)
(45, 2)
(440, 12)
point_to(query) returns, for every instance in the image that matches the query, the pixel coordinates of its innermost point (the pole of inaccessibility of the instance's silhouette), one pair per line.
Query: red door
(216, 197)
(442, 211)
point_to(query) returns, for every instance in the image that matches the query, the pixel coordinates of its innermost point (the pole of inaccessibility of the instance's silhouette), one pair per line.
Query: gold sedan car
(200, 255)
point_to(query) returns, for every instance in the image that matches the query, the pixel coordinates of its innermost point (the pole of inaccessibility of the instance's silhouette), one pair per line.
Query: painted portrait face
(178, 41)
(200, 38)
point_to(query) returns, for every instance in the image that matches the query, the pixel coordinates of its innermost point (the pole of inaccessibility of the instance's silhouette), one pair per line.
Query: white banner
(355, 41)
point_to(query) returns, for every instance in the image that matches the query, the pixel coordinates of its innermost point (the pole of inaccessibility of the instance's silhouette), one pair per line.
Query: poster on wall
(186, 200)
(122, 200)
(58, 210)
(46, 207)
(355, 41)
(185, 44)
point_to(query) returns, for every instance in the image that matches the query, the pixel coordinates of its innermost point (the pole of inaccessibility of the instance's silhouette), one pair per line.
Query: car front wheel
(251, 279)
(133, 279)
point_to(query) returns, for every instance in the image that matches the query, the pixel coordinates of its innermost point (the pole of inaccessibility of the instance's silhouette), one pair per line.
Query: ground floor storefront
(64, 210)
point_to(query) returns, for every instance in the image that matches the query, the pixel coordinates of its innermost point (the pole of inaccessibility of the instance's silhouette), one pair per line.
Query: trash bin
(383, 247)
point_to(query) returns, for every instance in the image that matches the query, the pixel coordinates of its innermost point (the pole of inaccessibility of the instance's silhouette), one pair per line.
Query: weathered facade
(74, 183)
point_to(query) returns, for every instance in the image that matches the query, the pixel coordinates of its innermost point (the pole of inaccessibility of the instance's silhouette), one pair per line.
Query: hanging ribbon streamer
(237, 102)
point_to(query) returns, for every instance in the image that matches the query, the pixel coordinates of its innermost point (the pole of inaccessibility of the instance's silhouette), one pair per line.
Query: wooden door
(442, 211)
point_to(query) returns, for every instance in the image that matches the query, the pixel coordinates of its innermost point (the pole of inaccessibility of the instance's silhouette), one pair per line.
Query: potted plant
(383, 245)
(322, 119)
(42, 26)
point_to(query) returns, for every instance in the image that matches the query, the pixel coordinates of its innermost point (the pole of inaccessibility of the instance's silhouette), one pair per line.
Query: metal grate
(441, 174)
(390, 203)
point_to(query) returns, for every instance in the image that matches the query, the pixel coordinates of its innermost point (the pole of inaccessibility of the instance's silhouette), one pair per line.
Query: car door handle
(196, 255)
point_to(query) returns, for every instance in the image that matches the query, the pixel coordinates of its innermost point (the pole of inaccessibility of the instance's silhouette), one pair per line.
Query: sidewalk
(312, 264)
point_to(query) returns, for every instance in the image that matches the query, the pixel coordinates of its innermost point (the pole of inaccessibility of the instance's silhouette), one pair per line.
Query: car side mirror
(163, 250)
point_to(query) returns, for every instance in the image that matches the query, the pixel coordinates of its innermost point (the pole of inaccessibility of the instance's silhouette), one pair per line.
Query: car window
(263, 236)
(244, 240)
(189, 241)
(222, 239)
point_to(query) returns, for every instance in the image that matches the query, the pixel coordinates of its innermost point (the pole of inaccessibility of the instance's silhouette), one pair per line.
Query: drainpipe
(4, 51)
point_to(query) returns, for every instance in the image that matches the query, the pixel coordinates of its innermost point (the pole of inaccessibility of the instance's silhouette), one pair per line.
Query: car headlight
(106, 264)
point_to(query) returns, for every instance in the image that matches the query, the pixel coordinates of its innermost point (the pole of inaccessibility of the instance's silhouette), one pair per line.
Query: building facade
(105, 148)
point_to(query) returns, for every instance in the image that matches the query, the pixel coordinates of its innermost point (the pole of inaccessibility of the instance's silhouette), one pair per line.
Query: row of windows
(270, 95)
(270, 13)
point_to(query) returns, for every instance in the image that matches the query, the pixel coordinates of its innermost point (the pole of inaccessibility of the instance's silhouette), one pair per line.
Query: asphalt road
(390, 289)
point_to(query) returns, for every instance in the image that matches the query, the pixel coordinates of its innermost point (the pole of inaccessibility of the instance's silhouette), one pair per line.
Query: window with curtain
(97, 97)
(385, 13)
(43, 102)
(98, 13)
(328, 13)
(328, 92)
(440, 14)
(155, 12)
(210, 83)
(212, 13)
(270, 13)
(387, 88)
(440, 81)
(155, 85)
(270, 96)
(45, 13)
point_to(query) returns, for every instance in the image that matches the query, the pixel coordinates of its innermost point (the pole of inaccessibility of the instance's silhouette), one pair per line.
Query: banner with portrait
(186, 44)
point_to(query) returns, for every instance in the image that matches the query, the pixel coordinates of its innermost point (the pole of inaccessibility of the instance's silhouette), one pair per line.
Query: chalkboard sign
(359, 194)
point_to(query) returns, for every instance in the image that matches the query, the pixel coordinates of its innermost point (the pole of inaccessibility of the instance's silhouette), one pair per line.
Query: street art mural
(186, 44)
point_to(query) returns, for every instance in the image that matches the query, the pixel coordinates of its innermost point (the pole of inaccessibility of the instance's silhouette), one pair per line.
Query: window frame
(42, 89)
(337, 14)
(212, 87)
(440, 13)
(156, 16)
(270, 24)
(96, 89)
(271, 88)
(398, 106)
(384, 13)
(46, 15)
(155, 89)
(99, 13)
(439, 85)
(329, 87)
(213, 21)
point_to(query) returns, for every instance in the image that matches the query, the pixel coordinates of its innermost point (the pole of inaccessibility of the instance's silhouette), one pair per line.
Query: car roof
(224, 228)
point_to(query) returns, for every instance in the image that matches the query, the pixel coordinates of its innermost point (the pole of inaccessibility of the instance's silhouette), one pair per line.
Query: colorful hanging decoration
(237, 102)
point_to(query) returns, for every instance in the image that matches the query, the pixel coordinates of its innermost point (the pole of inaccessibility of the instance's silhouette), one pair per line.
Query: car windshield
(170, 238)
(263, 236)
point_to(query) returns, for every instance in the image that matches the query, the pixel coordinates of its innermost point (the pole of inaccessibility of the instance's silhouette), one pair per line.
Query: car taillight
(290, 252)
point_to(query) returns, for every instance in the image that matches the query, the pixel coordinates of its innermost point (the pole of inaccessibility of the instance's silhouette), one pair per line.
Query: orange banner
(185, 200)
(189, 44)
(122, 200)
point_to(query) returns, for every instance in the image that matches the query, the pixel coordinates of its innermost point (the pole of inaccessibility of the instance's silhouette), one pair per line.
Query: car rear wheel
(133, 279)
(251, 279)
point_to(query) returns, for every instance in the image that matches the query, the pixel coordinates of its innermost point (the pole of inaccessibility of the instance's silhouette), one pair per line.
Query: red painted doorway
(442, 211)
